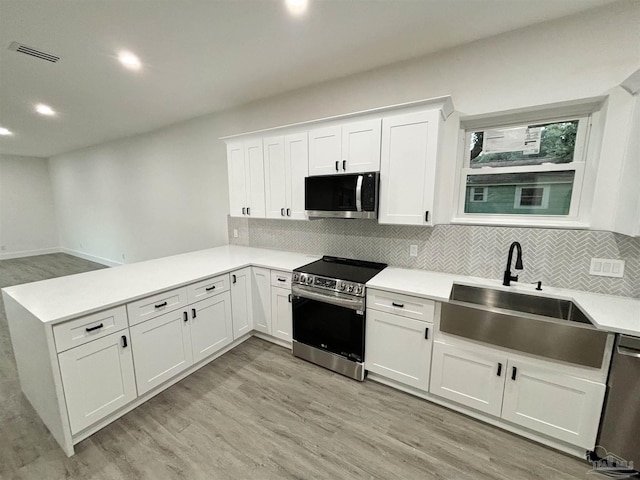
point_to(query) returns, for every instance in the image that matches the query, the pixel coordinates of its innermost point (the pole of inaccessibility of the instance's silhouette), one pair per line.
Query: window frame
(584, 137)
(485, 194)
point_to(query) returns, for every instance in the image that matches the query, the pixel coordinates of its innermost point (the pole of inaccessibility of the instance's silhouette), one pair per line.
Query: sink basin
(519, 302)
(538, 325)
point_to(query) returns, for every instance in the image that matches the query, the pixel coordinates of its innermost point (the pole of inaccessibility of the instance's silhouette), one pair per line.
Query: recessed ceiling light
(297, 7)
(129, 60)
(43, 109)
(5, 131)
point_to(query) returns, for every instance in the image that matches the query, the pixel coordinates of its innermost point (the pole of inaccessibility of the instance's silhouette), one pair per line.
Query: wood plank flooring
(259, 413)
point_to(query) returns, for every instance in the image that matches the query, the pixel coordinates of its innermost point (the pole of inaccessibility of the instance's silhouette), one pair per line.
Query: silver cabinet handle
(628, 352)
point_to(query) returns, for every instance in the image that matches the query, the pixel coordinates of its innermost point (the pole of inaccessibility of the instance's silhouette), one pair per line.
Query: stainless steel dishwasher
(619, 436)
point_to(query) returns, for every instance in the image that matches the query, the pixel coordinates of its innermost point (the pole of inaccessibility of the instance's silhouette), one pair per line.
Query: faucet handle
(539, 286)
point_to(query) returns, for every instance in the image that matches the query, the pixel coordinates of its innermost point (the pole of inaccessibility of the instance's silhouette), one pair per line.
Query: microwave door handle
(359, 193)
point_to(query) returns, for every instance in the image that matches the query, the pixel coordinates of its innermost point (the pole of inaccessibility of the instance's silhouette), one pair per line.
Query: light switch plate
(413, 250)
(607, 267)
(235, 233)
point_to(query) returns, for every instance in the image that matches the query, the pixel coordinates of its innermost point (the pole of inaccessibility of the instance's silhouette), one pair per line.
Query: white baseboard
(29, 253)
(92, 258)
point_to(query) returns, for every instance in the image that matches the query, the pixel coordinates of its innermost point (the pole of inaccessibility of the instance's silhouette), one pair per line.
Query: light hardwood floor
(259, 413)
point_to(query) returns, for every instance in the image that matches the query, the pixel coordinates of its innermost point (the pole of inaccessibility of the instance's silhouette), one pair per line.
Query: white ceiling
(202, 56)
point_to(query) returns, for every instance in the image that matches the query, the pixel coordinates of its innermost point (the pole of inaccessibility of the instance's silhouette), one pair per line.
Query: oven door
(329, 321)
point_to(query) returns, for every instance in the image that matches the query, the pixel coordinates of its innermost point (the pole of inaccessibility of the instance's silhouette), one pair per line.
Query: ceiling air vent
(19, 47)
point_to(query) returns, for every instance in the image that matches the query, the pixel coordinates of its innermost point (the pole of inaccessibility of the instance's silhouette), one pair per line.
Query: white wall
(166, 192)
(27, 215)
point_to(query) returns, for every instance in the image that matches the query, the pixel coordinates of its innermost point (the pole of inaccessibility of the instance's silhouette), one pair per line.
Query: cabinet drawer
(207, 288)
(281, 279)
(404, 305)
(82, 330)
(155, 305)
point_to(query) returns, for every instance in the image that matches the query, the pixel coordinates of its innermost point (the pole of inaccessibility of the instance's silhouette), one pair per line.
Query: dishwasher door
(620, 428)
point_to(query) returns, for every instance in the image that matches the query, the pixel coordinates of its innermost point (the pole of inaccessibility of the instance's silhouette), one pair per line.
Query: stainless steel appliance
(351, 195)
(329, 313)
(618, 439)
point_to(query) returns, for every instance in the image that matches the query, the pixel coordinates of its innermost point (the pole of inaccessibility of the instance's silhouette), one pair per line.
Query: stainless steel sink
(539, 325)
(519, 302)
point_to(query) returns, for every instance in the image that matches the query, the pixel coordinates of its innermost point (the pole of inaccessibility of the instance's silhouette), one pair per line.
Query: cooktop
(343, 268)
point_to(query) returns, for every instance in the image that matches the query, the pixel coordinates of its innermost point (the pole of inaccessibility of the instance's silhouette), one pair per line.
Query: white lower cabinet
(561, 406)
(161, 349)
(98, 379)
(281, 314)
(262, 300)
(399, 348)
(241, 302)
(538, 396)
(211, 325)
(473, 377)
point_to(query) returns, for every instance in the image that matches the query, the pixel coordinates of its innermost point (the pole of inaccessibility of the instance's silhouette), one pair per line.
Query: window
(523, 173)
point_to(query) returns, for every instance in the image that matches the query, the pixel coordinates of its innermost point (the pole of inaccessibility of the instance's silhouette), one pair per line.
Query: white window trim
(577, 215)
(485, 193)
(517, 200)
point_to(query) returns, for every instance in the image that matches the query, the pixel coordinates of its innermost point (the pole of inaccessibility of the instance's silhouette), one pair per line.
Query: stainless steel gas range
(329, 313)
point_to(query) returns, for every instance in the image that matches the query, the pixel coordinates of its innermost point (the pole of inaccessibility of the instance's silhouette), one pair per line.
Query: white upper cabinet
(286, 164)
(350, 148)
(246, 178)
(408, 167)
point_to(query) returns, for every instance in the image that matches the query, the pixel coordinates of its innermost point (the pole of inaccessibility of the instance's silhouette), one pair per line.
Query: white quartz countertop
(607, 312)
(62, 298)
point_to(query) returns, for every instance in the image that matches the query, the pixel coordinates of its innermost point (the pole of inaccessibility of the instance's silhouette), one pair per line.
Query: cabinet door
(469, 376)
(241, 302)
(254, 166)
(399, 348)
(296, 151)
(275, 176)
(237, 179)
(553, 403)
(161, 349)
(325, 151)
(262, 300)
(361, 146)
(98, 379)
(211, 325)
(408, 168)
(281, 318)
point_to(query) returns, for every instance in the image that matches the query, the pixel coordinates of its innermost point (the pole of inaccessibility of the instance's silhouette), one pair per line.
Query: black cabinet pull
(426, 216)
(514, 372)
(499, 369)
(244, 211)
(290, 298)
(288, 212)
(124, 341)
(208, 289)
(282, 212)
(233, 277)
(426, 334)
(91, 329)
(193, 313)
(399, 305)
(248, 210)
(344, 165)
(186, 316)
(337, 168)
(160, 305)
(280, 279)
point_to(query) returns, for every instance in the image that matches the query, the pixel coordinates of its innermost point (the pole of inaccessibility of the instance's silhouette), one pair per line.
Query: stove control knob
(359, 289)
(309, 280)
(295, 277)
(342, 286)
(350, 288)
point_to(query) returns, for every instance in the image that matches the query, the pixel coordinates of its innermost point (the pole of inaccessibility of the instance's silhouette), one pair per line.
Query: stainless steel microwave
(351, 195)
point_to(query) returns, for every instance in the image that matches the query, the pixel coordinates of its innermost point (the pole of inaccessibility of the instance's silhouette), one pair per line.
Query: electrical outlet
(413, 250)
(607, 267)
(123, 256)
(3, 247)
(235, 233)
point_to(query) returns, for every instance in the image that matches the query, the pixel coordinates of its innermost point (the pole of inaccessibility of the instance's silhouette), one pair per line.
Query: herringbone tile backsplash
(560, 258)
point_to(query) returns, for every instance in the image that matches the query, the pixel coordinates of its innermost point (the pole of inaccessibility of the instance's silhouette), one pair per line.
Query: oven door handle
(355, 303)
